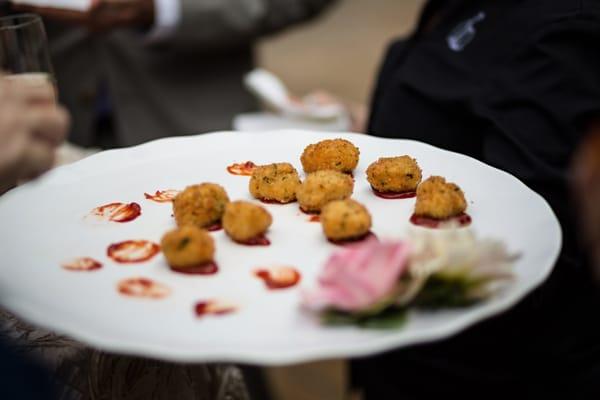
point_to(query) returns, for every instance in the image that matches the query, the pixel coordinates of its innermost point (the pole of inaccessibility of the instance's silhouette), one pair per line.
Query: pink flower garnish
(359, 276)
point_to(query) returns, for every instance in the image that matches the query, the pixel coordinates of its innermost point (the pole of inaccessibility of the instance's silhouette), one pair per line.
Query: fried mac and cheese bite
(345, 220)
(331, 154)
(394, 174)
(439, 199)
(275, 182)
(188, 247)
(244, 221)
(200, 205)
(321, 187)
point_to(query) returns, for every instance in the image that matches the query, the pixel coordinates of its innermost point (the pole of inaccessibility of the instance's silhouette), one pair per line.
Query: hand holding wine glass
(32, 124)
(24, 51)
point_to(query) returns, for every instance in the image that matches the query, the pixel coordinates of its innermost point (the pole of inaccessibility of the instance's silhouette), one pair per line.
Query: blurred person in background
(136, 70)
(510, 83)
(32, 125)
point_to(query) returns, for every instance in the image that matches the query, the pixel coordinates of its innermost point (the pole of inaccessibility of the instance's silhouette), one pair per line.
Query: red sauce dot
(344, 242)
(82, 264)
(213, 307)
(162, 196)
(243, 169)
(462, 219)
(314, 218)
(143, 287)
(309, 212)
(132, 251)
(279, 277)
(210, 268)
(394, 195)
(118, 212)
(214, 227)
(257, 241)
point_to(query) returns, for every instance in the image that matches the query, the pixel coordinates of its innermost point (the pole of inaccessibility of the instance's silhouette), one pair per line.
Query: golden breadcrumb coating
(275, 182)
(200, 205)
(345, 219)
(439, 199)
(394, 174)
(321, 187)
(188, 246)
(243, 220)
(332, 154)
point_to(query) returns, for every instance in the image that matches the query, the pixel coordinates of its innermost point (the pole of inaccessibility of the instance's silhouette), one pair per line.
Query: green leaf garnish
(389, 318)
(444, 291)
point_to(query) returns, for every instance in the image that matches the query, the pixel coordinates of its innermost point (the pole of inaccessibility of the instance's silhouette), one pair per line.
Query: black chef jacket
(509, 82)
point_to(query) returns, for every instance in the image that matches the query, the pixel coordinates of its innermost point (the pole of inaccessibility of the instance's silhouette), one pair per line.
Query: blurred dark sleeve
(224, 23)
(392, 59)
(22, 379)
(4, 7)
(534, 108)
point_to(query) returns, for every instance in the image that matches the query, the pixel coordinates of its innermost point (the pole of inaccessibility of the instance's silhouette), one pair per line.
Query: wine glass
(24, 51)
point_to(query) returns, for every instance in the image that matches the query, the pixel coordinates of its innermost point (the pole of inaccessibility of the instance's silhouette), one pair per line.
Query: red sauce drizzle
(210, 268)
(345, 242)
(162, 196)
(279, 277)
(213, 307)
(82, 264)
(394, 195)
(214, 227)
(118, 212)
(132, 251)
(462, 219)
(261, 240)
(143, 287)
(243, 169)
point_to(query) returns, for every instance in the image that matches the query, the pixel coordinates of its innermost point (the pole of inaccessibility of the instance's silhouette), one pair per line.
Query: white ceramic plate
(43, 225)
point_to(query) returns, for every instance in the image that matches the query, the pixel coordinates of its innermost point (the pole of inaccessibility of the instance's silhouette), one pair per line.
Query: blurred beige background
(340, 51)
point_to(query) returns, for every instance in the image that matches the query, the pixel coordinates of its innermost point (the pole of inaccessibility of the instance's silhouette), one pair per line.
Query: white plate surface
(43, 225)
